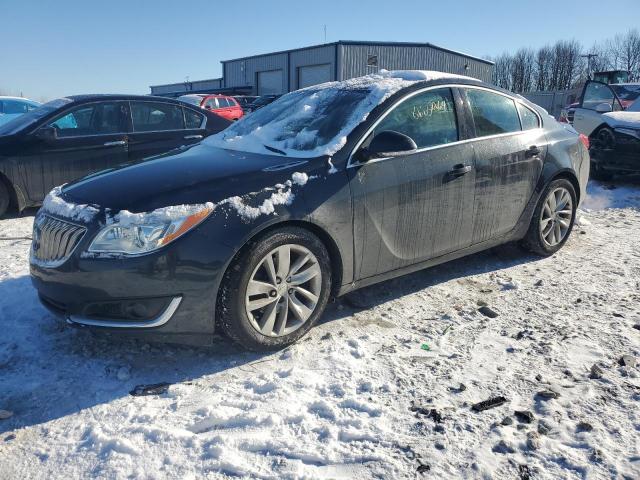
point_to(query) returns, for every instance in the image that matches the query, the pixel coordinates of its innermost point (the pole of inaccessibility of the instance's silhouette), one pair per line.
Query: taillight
(585, 140)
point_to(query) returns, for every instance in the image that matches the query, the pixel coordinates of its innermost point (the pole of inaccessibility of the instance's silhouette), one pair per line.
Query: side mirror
(388, 144)
(603, 108)
(47, 134)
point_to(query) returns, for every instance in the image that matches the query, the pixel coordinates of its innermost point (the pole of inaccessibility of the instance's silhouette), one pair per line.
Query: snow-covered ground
(359, 396)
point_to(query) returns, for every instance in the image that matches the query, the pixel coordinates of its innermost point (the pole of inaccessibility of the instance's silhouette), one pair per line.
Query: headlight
(139, 233)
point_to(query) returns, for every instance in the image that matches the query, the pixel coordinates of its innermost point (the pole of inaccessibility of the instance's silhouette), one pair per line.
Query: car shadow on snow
(492, 260)
(49, 370)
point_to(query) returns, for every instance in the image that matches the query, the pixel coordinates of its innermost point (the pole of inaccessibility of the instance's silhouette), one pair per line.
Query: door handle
(533, 151)
(193, 137)
(459, 170)
(115, 144)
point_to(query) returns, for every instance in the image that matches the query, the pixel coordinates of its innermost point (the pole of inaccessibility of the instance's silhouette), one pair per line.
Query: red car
(227, 107)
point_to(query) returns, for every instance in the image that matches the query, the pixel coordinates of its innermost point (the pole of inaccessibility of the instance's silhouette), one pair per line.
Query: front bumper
(168, 295)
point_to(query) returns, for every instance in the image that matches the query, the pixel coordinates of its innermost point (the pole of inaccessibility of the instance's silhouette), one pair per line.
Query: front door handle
(459, 170)
(533, 151)
(193, 137)
(115, 144)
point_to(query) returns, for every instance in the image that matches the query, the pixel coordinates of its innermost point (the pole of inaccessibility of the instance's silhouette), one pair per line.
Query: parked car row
(231, 108)
(71, 137)
(13, 107)
(252, 230)
(610, 116)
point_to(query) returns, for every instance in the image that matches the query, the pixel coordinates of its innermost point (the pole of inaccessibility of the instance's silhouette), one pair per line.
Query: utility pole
(589, 56)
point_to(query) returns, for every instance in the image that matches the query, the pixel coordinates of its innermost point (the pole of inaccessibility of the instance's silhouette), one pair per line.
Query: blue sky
(54, 48)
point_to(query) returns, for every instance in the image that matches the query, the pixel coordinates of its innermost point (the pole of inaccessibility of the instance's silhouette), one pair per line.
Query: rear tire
(263, 303)
(5, 198)
(553, 219)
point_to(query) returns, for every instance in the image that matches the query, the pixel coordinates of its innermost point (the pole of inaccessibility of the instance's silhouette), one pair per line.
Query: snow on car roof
(293, 124)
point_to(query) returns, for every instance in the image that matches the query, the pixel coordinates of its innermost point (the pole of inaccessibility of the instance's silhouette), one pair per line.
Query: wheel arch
(16, 199)
(596, 130)
(335, 256)
(569, 175)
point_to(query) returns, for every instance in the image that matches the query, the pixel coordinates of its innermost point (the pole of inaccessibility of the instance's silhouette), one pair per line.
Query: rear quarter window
(528, 118)
(493, 113)
(193, 119)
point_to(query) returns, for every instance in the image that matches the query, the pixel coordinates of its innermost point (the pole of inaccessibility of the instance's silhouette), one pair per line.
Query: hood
(194, 175)
(623, 119)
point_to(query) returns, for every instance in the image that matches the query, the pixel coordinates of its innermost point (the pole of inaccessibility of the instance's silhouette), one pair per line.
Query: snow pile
(160, 215)
(56, 205)
(282, 196)
(381, 391)
(292, 124)
(332, 168)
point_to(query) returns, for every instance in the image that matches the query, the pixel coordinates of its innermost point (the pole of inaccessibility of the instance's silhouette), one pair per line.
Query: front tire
(598, 173)
(276, 290)
(5, 198)
(553, 219)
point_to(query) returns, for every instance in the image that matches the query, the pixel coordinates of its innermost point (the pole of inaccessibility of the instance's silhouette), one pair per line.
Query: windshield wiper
(275, 150)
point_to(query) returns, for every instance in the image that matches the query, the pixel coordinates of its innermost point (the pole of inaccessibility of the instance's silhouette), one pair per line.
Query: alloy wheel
(283, 290)
(556, 217)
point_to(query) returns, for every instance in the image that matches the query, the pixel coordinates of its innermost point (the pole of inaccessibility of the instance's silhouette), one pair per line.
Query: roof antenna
(325, 33)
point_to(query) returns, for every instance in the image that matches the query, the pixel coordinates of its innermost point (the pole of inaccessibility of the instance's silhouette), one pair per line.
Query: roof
(9, 97)
(365, 43)
(218, 79)
(113, 96)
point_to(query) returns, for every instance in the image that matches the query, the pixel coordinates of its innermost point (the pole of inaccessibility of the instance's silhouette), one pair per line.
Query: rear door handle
(115, 144)
(193, 137)
(533, 151)
(459, 170)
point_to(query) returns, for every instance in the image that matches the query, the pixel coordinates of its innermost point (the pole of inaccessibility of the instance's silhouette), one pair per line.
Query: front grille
(54, 240)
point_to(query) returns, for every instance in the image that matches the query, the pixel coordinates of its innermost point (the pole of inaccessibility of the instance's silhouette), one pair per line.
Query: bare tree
(522, 69)
(502, 71)
(543, 67)
(630, 54)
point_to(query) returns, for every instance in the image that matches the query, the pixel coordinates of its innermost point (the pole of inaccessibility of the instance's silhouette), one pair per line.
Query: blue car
(13, 107)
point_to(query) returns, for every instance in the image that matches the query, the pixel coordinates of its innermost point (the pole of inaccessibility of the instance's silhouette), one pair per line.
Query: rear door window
(156, 116)
(193, 119)
(493, 113)
(428, 118)
(528, 118)
(92, 119)
(222, 102)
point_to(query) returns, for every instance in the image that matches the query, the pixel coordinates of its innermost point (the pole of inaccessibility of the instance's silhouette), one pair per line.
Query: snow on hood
(56, 205)
(623, 119)
(282, 195)
(294, 123)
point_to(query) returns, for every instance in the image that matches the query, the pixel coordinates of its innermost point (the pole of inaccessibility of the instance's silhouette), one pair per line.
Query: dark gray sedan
(326, 190)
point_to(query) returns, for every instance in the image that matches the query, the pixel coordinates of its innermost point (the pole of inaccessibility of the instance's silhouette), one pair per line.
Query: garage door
(313, 75)
(270, 83)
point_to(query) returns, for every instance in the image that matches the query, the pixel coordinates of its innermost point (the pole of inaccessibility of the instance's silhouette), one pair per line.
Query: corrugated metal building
(288, 70)
(183, 88)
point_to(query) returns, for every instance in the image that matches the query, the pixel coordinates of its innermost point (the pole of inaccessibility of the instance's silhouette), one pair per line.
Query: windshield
(627, 92)
(191, 99)
(306, 123)
(23, 121)
(262, 101)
